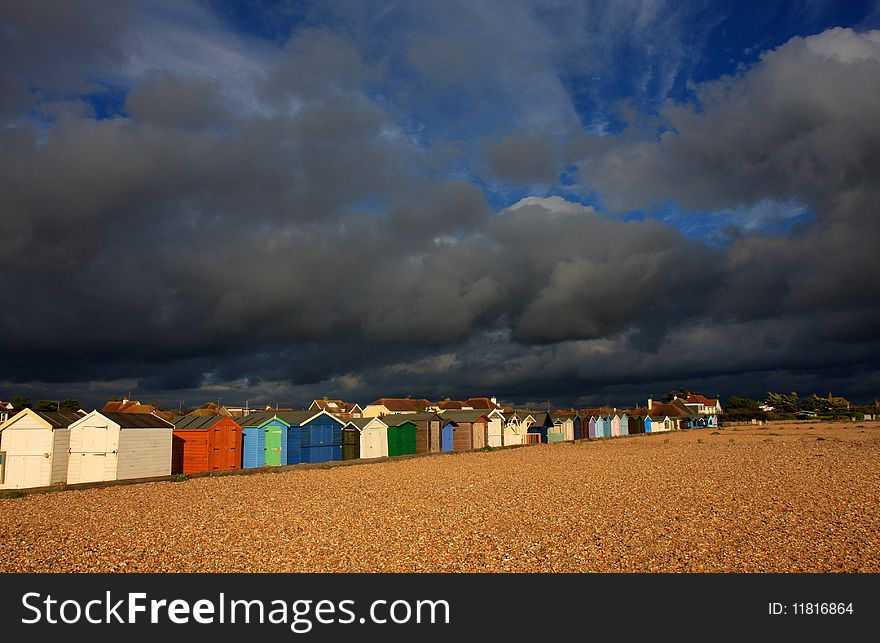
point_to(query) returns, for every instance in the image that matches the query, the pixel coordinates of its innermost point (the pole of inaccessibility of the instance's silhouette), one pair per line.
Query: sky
(574, 202)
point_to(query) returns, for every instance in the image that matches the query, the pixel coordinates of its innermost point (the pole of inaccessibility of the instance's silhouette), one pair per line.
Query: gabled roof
(210, 409)
(362, 423)
(658, 410)
(137, 420)
(335, 406)
(683, 408)
(128, 406)
(296, 418)
(196, 422)
(396, 419)
(412, 417)
(541, 417)
(448, 405)
(663, 408)
(292, 418)
(402, 404)
(54, 419)
(696, 398)
(258, 418)
(59, 419)
(597, 410)
(482, 403)
(463, 416)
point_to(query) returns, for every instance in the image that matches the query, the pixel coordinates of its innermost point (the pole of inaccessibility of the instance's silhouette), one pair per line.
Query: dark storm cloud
(297, 239)
(164, 99)
(52, 47)
(799, 124)
(523, 159)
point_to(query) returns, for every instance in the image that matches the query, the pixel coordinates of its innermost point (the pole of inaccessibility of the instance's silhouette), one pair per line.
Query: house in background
(210, 409)
(126, 405)
(388, 405)
(471, 404)
(677, 416)
(690, 419)
(708, 408)
(337, 407)
(5, 409)
(483, 403)
(658, 417)
(33, 448)
(453, 405)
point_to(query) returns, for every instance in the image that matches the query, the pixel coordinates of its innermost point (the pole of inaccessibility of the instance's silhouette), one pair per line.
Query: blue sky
(696, 42)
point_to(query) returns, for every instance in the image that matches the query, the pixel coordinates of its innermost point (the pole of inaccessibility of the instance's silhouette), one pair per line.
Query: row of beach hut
(42, 448)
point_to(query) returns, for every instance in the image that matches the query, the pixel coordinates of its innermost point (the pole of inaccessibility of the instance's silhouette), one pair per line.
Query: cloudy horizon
(576, 202)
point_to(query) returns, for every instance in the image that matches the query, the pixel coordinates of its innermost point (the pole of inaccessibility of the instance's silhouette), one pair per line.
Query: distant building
(838, 401)
(209, 410)
(128, 406)
(483, 403)
(337, 408)
(703, 405)
(5, 408)
(453, 405)
(387, 405)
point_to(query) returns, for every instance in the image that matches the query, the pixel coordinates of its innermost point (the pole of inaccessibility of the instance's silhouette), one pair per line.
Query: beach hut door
(94, 454)
(273, 446)
(446, 438)
(25, 452)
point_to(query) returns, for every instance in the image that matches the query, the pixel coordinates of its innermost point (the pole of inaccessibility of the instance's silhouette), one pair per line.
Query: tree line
(22, 402)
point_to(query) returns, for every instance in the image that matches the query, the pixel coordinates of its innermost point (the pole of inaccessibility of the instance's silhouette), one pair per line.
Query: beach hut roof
(464, 416)
(196, 422)
(136, 420)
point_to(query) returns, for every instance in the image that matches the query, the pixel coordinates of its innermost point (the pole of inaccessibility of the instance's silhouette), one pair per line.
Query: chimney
(494, 400)
(650, 403)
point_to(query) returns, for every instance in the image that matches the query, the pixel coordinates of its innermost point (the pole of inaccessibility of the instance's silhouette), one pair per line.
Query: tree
(20, 402)
(682, 393)
(735, 402)
(822, 404)
(743, 408)
(46, 405)
(783, 403)
(71, 404)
